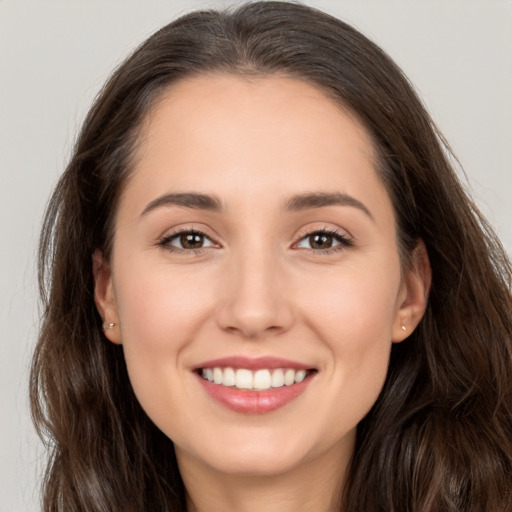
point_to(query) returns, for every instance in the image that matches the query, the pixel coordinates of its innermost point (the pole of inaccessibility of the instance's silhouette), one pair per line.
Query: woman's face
(255, 245)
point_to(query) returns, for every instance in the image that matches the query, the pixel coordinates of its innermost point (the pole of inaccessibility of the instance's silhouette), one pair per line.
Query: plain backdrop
(54, 57)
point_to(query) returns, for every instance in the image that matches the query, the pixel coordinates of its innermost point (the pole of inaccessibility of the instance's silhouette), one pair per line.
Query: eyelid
(164, 240)
(342, 236)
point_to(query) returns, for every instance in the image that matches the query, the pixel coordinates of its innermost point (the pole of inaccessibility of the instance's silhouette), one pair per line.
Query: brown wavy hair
(439, 437)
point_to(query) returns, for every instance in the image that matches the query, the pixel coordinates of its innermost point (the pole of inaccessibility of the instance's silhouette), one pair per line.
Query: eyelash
(344, 242)
(165, 242)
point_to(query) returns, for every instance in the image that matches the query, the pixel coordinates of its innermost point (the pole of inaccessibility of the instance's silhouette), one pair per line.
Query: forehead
(243, 136)
(265, 106)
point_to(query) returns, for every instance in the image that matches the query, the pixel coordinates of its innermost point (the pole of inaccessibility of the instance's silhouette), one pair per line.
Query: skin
(257, 287)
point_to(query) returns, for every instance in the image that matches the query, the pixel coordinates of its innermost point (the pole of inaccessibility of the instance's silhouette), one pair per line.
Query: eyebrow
(188, 200)
(321, 199)
(299, 202)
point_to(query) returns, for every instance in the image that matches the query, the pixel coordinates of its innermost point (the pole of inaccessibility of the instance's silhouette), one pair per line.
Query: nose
(255, 301)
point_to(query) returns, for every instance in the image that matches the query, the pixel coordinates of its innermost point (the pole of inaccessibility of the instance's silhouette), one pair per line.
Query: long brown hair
(439, 437)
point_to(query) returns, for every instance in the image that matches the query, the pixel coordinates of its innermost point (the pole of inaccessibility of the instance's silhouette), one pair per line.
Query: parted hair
(439, 437)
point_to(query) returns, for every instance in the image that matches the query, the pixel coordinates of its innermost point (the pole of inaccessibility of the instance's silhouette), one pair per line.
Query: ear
(104, 297)
(413, 294)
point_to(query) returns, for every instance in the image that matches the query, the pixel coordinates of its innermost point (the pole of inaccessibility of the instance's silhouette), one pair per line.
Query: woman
(266, 289)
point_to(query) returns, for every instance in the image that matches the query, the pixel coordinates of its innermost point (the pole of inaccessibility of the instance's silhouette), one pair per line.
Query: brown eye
(191, 241)
(187, 240)
(324, 241)
(320, 241)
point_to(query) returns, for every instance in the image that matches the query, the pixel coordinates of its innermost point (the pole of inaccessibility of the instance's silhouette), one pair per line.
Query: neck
(313, 486)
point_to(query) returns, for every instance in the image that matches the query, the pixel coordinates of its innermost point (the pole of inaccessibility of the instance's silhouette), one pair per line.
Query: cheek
(160, 315)
(353, 314)
(158, 307)
(355, 306)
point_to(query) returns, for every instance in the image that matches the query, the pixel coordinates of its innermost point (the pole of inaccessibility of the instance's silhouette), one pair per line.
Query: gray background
(54, 56)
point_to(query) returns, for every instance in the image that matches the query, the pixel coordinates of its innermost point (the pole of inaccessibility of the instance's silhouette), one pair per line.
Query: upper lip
(250, 363)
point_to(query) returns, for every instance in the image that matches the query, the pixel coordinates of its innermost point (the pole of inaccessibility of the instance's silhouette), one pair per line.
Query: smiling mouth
(258, 380)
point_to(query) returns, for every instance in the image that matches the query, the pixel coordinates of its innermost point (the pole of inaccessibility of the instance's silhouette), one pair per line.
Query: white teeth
(260, 380)
(217, 375)
(229, 377)
(243, 379)
(289, 377)
(300, 375)
(277, 378)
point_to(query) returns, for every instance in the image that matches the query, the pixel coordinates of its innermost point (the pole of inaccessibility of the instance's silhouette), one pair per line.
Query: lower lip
(254, 402)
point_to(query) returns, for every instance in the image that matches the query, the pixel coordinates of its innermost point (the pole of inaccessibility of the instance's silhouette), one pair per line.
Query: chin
(249, 454)
(255, 463)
